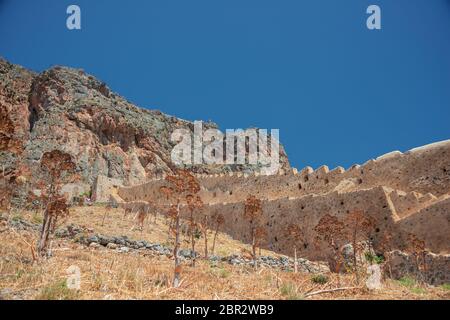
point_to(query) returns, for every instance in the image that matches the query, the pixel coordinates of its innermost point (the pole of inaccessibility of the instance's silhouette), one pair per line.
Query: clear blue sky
(339, 93)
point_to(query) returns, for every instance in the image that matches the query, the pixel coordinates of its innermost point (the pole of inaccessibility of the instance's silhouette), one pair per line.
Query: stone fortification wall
(422, 170)
(104, 187)
(430, 224)
(305, 212)
(404, 193)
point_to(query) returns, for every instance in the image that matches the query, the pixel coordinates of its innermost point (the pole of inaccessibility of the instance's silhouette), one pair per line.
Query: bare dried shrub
(14, 185)
(59, 167)
(194, 203)
(204, 229)
(331, 231)
(416, 247)
(360, 227)
(294, 232)
(108, 208)
(127, 211)
(253, 213)
(219, 219)
(140, 218)
(179, 187)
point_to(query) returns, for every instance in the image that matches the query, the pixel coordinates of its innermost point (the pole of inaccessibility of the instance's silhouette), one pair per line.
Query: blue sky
(339, 93)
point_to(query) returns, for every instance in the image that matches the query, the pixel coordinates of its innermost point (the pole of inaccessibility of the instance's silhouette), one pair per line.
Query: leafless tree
(360, 227)
(416, 247)
(219, 220)
(204, 229)
(59, 167)
(193, 203)
(108, 208)
(294, 232)
(127, 211)
(179, 187)
(252, 213)
(331, 230)
(140, 217)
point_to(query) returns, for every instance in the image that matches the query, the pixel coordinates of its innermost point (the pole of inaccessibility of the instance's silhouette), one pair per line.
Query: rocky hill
(67, 109)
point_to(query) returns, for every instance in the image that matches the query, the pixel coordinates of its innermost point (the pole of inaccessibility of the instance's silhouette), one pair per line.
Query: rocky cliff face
(69, 110)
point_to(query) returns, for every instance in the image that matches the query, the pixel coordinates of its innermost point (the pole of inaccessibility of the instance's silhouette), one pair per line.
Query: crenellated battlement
(410, 171)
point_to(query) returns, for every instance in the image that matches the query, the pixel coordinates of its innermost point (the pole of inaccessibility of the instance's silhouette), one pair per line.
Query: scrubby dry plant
(167, 192)
(219, 219)
(193, 203)
(294, 232)
(360, 227)
(180, 187)
(127, 211)
(140, 218)
(108, 208)
(204, 229)
(416, 247)
(174, 214)
(10, 182)
(331, 231)
(253, 213)
(59, 167)
(5, 198)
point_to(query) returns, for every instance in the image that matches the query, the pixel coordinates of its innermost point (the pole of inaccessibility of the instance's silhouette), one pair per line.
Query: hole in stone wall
(342, 203)
(276, 239)
(214, 194)
(306, 178)
(444, 170)
(327, 181)
(360, 181)
(300, 186)
(231, 193)
(377, 230)
(303, 207)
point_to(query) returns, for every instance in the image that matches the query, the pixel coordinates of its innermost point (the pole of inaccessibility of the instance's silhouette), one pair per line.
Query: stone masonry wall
(408, 172)
(404, 193)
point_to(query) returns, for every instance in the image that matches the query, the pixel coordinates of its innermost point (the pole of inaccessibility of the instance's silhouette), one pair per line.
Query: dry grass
(154, 231)
(107, 274)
